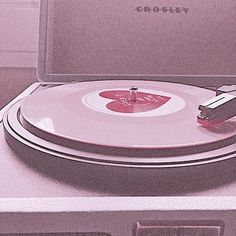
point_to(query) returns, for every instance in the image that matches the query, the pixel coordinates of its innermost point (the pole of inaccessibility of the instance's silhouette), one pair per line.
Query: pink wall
(19, 33)
(18, 46)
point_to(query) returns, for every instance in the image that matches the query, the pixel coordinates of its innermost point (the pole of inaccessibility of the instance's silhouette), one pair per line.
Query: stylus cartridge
(217, 110)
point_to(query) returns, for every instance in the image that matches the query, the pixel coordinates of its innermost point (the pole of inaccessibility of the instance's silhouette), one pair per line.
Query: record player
(125, 113)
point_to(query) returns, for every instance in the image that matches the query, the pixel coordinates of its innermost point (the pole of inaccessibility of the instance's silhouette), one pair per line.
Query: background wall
(18, 46)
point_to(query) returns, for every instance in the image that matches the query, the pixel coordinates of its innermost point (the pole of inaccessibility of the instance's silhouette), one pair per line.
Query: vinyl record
(159, 120)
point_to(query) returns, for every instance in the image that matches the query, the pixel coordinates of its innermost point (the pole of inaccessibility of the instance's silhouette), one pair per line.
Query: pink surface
(59, 115)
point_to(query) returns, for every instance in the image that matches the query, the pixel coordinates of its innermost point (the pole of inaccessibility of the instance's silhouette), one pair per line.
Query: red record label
(122, 102)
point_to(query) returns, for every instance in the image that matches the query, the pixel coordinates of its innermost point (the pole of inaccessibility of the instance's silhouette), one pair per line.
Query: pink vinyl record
(157, 115)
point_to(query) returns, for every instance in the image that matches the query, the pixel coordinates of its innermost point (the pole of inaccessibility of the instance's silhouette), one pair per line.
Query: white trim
(109, 204)
(114, 215)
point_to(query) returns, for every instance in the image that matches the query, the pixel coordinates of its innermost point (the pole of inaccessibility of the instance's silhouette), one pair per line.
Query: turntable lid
(101, 39)
(98, 114)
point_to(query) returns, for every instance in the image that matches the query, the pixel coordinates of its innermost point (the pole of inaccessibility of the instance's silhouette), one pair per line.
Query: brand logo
(155, 9)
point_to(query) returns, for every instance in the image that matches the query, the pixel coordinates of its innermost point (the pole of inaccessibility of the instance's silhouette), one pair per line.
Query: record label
(122, 101)
(147, 103)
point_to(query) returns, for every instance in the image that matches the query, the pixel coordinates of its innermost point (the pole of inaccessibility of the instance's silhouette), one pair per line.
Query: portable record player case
(53, 200)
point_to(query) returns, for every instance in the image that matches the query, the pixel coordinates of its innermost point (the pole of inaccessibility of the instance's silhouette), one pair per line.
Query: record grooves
(22, 127)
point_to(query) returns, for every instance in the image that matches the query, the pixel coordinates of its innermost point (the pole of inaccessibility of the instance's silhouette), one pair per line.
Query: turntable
(116, 113)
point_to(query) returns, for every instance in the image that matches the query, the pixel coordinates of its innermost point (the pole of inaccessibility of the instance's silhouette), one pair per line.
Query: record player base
(30, 176)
